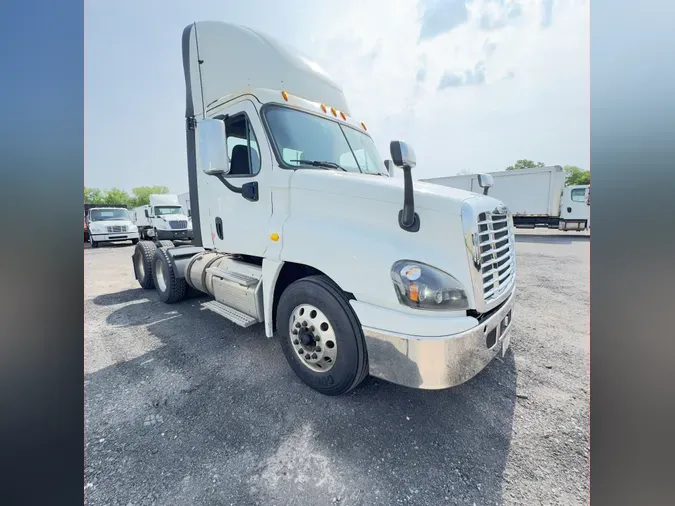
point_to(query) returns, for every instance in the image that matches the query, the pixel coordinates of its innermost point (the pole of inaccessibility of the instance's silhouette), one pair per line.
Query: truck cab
(109, 224)
(299, 226)
(163, 219)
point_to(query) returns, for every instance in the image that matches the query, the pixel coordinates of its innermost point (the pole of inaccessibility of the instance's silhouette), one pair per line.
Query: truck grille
(497, 259)
(178, 224)
(115, 229)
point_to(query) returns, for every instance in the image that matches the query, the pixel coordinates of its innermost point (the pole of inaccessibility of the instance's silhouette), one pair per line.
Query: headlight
(133, 228)
(97, 229)
(421, 286)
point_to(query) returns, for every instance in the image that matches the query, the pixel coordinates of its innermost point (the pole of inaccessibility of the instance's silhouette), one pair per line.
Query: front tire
(94, 244)
(169, 286)
(142, 258)
(316, 308)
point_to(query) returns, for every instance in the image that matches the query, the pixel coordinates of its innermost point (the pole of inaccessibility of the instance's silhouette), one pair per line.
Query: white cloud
(529, 80)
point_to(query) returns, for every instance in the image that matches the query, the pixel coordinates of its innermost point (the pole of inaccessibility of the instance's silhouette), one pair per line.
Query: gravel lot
(185, 408)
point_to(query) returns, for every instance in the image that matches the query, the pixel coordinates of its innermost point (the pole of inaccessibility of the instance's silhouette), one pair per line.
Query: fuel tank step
(241, 319)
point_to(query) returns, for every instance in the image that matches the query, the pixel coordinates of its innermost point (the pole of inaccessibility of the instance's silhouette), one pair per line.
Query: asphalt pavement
(185, 408)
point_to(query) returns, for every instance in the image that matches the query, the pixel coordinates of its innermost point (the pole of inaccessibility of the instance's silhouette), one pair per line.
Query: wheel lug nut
(307, 356)
(317, 338)
(304, 324)
(297, 325)
(300, 350)
(296, 341)
(311, 329)
(318, 348)
(295, 332)
(313, 355)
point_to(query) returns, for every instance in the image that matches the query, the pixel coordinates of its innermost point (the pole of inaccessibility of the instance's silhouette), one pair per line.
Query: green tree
(577, 176)
(93, 196)
(116, 196)
(525, 164)
(141, 194)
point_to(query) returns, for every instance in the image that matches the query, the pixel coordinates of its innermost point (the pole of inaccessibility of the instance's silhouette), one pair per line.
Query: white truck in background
(109, 224)
(536, 197)
(298, 226)
(163, 219)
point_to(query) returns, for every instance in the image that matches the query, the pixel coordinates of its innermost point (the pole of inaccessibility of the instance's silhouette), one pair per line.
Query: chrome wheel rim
(312, 338)
(159, 273)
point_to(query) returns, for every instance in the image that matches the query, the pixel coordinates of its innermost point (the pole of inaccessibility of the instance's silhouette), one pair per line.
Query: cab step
(241, 319)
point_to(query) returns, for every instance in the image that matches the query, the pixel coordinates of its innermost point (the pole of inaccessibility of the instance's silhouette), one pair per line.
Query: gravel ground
(185, 408)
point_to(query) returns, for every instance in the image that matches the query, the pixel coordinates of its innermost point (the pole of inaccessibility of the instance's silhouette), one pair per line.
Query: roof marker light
(285, 95)
(332, 109)
(364, 126)
(344, 116)
(323, 107)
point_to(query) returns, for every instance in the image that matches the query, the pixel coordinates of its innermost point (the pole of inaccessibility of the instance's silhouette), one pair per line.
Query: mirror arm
(249, 190)
(485, 190)
(408, 219)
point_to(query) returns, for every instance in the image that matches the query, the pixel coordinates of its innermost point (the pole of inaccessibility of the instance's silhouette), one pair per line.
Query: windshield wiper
(322, 164)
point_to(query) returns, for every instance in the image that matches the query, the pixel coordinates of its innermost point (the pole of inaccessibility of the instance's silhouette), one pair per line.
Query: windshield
(109, 215)
(162, 210)
(301, 138)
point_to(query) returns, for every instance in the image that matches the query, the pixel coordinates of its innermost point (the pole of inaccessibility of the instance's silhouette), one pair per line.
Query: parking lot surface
(185, 408)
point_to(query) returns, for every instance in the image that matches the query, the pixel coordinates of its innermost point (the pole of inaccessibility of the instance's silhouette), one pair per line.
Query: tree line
(574, 175)
(139, 196)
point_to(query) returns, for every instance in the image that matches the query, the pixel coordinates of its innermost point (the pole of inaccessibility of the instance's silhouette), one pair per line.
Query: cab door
(239, 203)
(575, 203)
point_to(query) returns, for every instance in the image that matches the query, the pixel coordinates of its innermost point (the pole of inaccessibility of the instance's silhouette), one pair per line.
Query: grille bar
(497, 267)
(116, 229)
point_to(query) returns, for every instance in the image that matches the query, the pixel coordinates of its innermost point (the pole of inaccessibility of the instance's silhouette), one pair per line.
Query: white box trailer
(299, 227)
(163, 219)
(535, 197)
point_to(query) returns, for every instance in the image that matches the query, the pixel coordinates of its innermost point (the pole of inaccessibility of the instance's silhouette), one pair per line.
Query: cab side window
(242, 146)
(578, 195)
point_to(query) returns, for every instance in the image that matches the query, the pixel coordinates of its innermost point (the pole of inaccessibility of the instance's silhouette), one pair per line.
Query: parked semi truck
(164, 218)
(109, 224)
(299, 227)
(536, 197)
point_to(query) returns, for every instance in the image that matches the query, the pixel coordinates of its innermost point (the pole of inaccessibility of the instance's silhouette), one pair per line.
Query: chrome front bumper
(437, 362)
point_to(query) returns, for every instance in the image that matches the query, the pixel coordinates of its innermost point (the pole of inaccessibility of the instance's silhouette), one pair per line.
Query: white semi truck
(536, 197)
(299, 227)
(163, 219)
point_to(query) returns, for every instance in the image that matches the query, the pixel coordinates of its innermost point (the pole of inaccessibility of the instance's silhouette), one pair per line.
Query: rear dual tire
(170, 287)
(332, 316)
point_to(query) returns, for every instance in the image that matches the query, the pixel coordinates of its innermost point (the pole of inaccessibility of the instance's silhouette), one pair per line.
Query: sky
(471, 85)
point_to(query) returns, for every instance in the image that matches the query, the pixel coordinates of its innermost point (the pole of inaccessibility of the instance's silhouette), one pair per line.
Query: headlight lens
(421, 286)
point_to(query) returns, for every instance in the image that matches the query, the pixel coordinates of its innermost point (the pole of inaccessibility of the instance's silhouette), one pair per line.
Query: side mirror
(485, 181)
(212, 155)
(402, 154)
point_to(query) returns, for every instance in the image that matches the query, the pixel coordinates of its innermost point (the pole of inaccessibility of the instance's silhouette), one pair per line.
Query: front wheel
(94, 244)
(321, 336)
